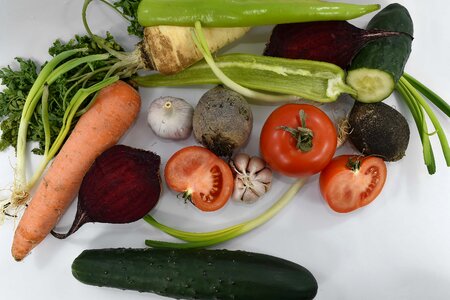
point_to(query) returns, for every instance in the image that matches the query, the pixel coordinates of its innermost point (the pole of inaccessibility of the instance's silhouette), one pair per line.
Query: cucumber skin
(388, 54)
(196, 273)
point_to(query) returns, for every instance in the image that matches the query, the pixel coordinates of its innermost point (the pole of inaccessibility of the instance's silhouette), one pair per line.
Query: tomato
(278, 145)
(204, 178)
(350, 182)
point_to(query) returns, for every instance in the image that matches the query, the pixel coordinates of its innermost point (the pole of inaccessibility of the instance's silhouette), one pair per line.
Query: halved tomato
(204, 178)
(350, 182)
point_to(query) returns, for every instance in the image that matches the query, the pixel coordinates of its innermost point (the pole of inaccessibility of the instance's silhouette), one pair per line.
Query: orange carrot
(112, 114)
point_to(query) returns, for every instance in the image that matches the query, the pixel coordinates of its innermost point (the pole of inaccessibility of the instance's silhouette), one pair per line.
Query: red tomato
(204, 178)
(279, 147)
(350, 182)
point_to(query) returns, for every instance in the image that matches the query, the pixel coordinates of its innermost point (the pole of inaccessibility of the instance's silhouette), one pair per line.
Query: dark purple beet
(122, 186)
(335, 42)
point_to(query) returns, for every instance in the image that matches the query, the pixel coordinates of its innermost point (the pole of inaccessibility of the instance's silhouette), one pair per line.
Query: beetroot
(122, 186)
(329, 41)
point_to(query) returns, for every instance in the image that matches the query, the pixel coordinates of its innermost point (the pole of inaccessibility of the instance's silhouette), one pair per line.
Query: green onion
(410, 89)
(206, 239)
(432, 96)
(417, 113)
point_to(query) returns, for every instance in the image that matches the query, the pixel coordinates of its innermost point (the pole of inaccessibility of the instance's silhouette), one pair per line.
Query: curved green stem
(432, 96)
(200, 240)
(440, 131)
(45, 120)
(28, 110)
(417, 113)
(202, 46)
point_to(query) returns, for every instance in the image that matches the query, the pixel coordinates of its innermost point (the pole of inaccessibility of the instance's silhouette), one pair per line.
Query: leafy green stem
(206, 239)
(440, 131)
(202, 45)
(417, 113)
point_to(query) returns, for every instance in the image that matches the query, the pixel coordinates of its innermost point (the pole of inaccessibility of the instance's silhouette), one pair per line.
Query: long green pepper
(241, 13)
(313, 80)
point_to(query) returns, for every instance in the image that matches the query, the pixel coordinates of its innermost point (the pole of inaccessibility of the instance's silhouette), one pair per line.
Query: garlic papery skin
(253, 178)
(170, 118)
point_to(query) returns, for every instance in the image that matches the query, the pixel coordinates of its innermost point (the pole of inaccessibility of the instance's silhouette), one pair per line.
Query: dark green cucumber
(196, 273)
(378, 66)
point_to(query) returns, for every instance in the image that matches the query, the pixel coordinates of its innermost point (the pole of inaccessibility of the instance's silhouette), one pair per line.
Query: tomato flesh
(202, 176)
(346, 189)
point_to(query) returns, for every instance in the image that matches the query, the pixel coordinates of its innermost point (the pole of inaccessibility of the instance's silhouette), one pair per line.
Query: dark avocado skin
(378, 129)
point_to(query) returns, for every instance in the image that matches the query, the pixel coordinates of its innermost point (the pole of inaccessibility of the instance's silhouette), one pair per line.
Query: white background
(396, 248)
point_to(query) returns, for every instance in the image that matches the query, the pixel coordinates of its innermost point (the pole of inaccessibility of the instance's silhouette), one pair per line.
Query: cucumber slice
(378, 66)
(372, 85)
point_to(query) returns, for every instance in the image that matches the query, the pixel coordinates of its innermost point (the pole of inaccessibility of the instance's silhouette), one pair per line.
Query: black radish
(335, 42)
(122, 185)
(378, 129)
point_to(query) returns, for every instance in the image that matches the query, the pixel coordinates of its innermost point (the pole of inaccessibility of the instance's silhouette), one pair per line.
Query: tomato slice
(350, 182)
(204, 178)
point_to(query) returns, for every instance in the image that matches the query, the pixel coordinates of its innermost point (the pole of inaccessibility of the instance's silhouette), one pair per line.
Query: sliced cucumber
(378, 66)
(373, 85)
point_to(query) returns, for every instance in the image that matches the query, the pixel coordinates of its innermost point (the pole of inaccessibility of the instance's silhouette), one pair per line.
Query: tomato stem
(303, 135)
(354, 164)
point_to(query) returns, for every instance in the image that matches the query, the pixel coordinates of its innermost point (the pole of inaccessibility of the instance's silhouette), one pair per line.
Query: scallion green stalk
(206, 239)
(417, 113)
(429, 94)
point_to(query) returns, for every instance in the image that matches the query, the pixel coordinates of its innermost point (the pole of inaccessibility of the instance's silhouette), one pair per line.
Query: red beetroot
(122, 186)
(335, 42)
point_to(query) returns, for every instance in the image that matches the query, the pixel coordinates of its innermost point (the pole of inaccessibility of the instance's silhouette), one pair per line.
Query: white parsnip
(172, 49)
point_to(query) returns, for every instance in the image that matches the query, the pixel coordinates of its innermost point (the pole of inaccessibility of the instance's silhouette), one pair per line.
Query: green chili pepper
(241, 13)
(313, 80)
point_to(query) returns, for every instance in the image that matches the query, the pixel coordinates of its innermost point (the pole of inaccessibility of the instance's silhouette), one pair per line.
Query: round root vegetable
(122, 186)
(112, 114)
(378, 129)
(223, 121)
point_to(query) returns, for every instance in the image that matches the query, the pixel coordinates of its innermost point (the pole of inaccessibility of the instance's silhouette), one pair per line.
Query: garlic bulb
(253, 178)
(170, 118)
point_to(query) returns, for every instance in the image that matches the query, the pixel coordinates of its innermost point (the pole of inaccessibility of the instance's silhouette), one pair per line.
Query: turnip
(223, 121)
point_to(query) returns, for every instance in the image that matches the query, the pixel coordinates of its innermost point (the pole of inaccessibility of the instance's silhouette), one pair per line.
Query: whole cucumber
(196, 273)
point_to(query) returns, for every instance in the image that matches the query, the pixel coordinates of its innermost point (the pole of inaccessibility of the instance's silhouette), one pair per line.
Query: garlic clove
(239, 189)
(249, 196)
(240, 161)
(264, 176)
(259, 188)
(255, 165)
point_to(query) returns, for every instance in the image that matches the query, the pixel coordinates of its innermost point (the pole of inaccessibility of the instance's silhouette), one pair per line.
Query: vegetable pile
(81, 102)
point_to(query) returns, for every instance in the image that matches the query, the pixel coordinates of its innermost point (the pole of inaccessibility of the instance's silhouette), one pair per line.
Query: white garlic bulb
(253, 178)
(170, 118)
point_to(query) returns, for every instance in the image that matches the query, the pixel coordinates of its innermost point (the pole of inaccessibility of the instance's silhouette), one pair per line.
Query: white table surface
(396, 248)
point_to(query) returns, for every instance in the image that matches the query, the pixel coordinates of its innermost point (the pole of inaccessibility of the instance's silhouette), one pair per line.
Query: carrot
(110, 116)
